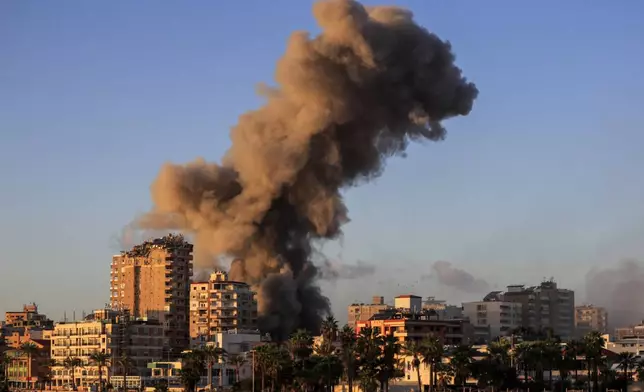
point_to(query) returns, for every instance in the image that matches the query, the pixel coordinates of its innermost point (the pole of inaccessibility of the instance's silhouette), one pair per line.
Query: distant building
(544, 308)
(497, 318)
(28, 318)
(444, 311)
(28, 370)
(590, 318)
(220, 305)
(106, 331)
(152, 281)
(24, 326)
(411, 303)
(629, 344)
(363, 312)
(633, 331)
(416, 326)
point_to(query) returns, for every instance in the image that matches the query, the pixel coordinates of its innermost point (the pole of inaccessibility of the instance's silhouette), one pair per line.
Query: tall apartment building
(590, 318)
(363, 312)
(498, 316)
(545, 307)
(152, 281)
(106, 331)
(220, 305)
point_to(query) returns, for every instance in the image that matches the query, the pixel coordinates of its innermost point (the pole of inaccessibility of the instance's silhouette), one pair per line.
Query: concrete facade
(152, 281)
(220, 305)
(500, 317)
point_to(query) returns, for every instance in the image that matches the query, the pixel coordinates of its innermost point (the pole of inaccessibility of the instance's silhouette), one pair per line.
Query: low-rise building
(28, 317)
(28, 367)
(110, 332)
(633, 331)
(363, 312)
(416, 326)
(444, 311)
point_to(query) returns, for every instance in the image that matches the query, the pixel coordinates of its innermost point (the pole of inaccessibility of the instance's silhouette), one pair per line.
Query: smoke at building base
(346, 100)
(616, 287)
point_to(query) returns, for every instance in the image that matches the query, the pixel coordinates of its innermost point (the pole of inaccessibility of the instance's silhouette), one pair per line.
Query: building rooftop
(408, 296)
(170, 241)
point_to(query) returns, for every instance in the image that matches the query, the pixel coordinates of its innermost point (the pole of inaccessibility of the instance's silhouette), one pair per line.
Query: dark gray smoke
(448, 275)
(333, 270)
(616, 288)
(345, 100)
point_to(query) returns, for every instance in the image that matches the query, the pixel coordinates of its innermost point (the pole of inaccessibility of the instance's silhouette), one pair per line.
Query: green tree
(237, 361)
(5, 362)
(193, 365)
(348, 352)
(100, 359)
(161, 386)
(626, 361)
(593, 348)
(413, 348)
(461, 364)
(212, 355)
(126, 364)
(432, 351)
(389, 366)
(71, 364)
(368, 351)
(30, 350)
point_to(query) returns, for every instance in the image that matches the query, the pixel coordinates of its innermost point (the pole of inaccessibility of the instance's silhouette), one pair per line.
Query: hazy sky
(542, 179)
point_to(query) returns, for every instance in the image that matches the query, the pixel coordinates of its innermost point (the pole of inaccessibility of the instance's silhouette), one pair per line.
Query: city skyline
(543, 188)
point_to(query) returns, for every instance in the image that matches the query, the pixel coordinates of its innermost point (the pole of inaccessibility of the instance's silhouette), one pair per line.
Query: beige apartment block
(220, 305)
(363, 312)
(590, 318)
(152, 281)
(105, 331)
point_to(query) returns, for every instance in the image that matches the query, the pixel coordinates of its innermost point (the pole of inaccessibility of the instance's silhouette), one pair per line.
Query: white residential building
(500, 317)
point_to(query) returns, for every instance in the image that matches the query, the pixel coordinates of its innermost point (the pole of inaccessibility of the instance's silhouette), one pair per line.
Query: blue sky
(542, 179)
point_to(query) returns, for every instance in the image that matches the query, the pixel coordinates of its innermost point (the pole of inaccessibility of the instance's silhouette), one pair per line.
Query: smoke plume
(616, 288)
(449, 275)
(345, 100)
(333, 270)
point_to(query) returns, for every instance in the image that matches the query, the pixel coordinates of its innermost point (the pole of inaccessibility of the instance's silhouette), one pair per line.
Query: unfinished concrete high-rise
(152, 281)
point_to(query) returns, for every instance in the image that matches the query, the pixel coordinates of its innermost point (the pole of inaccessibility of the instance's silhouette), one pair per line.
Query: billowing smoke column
(345, 100)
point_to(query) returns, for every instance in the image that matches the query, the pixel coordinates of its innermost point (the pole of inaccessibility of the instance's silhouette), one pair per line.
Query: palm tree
(413, 348)
(461, 364)
(192, 367)
(301, 345)
(71, 363)
(126, 363)
(389, 361)
(626, 362)
(263, 360)
(574, 349)
(100, 359)
(5, 361)
(212, 355)
(237, 361)
(30, 350)
(594, 344)
(348, 346)
(432, 352)
(368, 354)
(329, 329)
